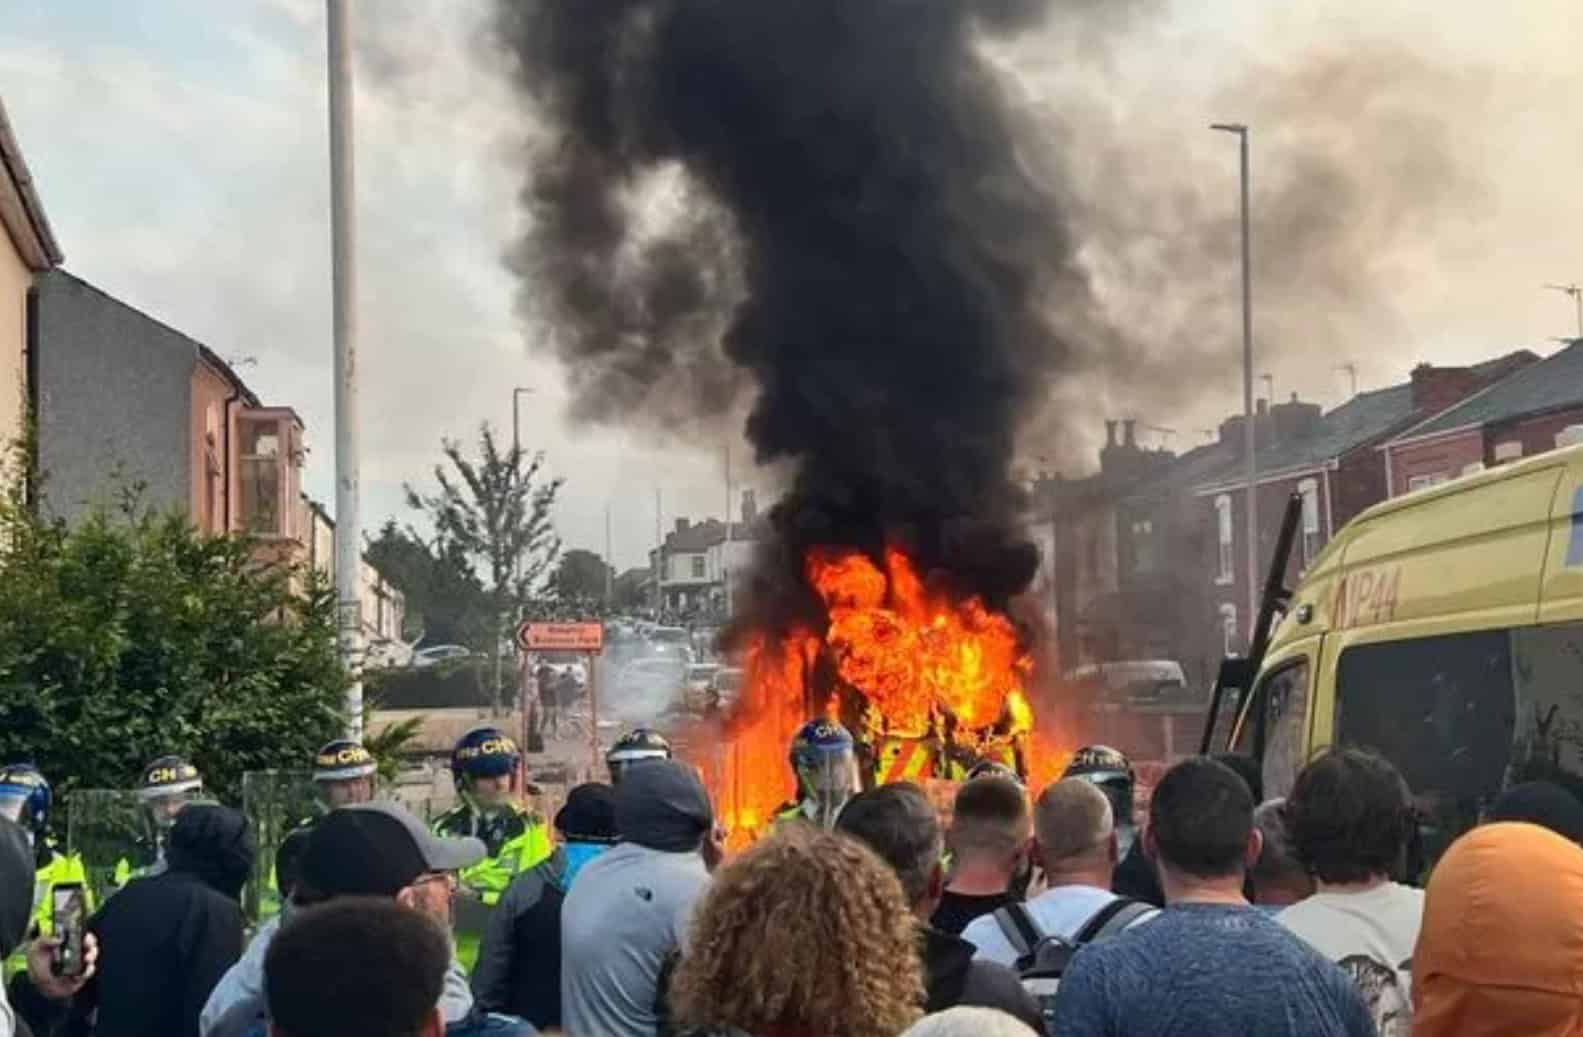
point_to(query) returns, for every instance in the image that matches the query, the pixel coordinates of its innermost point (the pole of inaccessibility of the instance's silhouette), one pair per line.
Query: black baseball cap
(377, 849)
(589, 815)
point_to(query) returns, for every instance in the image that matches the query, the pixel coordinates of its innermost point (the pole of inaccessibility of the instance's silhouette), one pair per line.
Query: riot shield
(113, 834)
(276, 803)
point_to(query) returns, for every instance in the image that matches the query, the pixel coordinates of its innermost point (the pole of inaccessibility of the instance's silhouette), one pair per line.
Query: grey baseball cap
(376, 849)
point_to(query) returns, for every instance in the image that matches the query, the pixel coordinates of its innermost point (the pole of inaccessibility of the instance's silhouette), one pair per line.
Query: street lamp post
(1241, 132)
(343, 296)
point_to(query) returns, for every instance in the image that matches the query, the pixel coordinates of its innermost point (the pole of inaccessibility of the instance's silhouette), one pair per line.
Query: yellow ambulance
(1445, 630)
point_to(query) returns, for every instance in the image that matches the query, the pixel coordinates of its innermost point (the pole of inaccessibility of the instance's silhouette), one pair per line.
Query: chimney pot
(750, 508)
(681, 525)
(1110, 433)
(1261, 407)
(1130, 432)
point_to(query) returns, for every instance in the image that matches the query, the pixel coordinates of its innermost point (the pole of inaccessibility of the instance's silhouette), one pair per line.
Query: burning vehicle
(831, 218)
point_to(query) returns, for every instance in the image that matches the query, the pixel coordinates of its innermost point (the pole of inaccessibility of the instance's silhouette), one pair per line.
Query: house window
(1312, 541)
(1223, 523)
(1510, 450)
(698, 567)
(1145, 553)
(261, 473)
(1423, 482)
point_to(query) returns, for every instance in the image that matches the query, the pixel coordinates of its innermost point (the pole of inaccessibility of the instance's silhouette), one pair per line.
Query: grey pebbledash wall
(113, 400)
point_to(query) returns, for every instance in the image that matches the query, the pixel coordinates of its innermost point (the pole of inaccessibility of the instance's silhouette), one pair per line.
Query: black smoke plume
(830, 197)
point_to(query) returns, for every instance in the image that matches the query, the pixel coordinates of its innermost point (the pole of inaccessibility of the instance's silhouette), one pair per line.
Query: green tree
(125, 636)
(494, 513)
(446, 603)
(581, 576)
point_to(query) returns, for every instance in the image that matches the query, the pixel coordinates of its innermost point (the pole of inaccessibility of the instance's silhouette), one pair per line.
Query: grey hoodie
(237, 1004)
(629, 909)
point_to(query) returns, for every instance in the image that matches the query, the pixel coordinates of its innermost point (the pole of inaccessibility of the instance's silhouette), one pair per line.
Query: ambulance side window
(1442, 709)
(1547, 664)
(1284, 695)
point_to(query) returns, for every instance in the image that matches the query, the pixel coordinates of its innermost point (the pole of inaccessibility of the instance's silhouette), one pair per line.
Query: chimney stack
(1130, 432)
(1110, 433)
(681, 525)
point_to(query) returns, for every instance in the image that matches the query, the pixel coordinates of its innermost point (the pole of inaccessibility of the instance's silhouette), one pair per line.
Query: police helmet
(1111, 771)
(342, 760)
(484, 752)
(993, 769)
(817, 739)
(637, 745)
(170, 775)
(25, 797)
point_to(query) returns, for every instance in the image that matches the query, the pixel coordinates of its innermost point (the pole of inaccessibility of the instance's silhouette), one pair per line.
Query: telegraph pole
(343, 281)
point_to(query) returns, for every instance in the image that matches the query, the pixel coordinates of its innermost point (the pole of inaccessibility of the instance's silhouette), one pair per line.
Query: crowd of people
(859, 914)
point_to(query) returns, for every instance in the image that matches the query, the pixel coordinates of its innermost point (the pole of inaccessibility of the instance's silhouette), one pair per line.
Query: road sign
(561, 637)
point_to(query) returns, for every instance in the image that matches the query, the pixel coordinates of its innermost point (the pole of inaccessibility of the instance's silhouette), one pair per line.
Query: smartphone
(67, 911)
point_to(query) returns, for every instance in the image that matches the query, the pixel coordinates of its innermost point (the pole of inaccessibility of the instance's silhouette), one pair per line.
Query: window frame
(1312, 529)
(1226, 535)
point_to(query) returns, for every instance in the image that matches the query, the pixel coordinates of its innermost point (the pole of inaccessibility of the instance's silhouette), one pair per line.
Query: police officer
(1112, 772)
(824, 762)
(168, 784)
(484, 765)
(634, 747)
(995, 769)
(25, 798)
(343, 772)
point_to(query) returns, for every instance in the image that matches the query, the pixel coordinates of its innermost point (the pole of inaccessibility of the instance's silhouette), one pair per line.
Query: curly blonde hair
(808, 931)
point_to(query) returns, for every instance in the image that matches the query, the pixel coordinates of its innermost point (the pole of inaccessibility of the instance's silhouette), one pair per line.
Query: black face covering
(16, 885)
(215, 843)
(663, 806)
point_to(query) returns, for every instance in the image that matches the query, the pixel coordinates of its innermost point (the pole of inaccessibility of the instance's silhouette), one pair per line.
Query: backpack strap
(1021, 931)
(1112, 919)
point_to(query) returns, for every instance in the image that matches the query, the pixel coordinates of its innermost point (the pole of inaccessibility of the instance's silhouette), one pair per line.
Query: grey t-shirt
(1208, 970)
(627, 911)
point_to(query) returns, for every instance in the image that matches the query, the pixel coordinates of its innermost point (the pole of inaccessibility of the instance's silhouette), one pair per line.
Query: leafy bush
(129, 636)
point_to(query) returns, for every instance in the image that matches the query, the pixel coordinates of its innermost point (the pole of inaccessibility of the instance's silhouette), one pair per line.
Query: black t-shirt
(956, 910)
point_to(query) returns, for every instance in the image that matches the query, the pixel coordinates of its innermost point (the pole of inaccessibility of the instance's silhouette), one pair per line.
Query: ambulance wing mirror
(1231, 685)
(1241, 673)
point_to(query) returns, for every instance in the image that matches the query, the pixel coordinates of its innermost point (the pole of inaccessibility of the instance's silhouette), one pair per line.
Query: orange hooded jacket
(1501, 948)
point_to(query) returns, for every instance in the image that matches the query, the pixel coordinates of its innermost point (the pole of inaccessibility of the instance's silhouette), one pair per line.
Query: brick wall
(1446, 455)
(114, 400)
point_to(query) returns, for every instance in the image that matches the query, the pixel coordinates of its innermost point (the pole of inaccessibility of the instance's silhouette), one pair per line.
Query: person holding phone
(41, 993)
(26, 798)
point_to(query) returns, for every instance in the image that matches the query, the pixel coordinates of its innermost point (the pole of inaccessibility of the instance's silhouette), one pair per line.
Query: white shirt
(1061, 911)
(1371, 935)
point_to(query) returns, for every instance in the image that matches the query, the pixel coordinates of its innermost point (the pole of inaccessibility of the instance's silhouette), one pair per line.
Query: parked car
(434, 655)
(565, 664)
(652, 686)
(674, 642)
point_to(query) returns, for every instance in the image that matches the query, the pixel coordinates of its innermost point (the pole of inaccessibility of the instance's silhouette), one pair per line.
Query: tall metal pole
(1247, 377)
(659, 557)
(725, 551)
(610, 565)
(343, 277)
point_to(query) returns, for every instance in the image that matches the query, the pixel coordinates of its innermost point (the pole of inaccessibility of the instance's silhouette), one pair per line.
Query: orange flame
(923, 662)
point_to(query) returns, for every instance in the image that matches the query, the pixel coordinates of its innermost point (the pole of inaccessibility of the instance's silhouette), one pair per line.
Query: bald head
(1074, 828)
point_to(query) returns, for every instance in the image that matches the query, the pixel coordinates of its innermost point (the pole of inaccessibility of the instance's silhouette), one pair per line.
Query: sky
(1415, 171)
